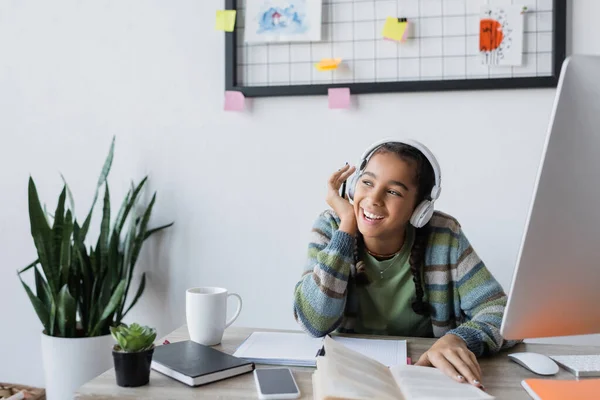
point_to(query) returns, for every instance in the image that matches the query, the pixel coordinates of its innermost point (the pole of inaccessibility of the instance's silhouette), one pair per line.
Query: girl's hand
(451, 355)
(341, 206)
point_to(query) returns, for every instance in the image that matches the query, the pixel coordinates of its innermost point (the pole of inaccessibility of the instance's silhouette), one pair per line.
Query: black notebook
(195, 364)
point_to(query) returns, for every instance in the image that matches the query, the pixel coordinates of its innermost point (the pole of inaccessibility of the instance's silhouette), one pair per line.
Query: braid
(417, 255)
(361, 278)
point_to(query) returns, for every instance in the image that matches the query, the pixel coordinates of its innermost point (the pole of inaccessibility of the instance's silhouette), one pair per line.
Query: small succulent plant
(133, 338)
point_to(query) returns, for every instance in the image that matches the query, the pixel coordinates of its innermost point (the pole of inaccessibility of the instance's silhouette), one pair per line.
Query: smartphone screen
(276, 381)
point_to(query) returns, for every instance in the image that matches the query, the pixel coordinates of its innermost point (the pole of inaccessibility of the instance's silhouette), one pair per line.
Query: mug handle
(237, 312)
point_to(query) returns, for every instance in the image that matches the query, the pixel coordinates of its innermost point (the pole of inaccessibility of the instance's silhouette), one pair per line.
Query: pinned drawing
(283, 21)
(501, 35)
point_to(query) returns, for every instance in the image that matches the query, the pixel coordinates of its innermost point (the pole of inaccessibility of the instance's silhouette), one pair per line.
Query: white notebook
(300, 349)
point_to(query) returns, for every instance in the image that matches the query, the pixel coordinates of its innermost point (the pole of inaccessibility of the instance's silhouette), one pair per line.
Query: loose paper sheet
(283, 21)
(501, 35)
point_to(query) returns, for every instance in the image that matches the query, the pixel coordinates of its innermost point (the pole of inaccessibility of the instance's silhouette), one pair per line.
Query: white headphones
(424, 210)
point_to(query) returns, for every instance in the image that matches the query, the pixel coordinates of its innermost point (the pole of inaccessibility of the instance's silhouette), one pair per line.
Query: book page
(350, 375)
(389, 352)
(349, 383)
(428, 383)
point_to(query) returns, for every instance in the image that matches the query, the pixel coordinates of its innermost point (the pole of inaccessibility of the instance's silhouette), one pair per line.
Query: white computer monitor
(555, 289)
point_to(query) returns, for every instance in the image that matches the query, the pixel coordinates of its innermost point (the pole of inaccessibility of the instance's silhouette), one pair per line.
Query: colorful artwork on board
(501, 35)
(283, 21)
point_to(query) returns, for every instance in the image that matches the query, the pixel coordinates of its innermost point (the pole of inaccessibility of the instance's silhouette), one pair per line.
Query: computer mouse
(535, 362)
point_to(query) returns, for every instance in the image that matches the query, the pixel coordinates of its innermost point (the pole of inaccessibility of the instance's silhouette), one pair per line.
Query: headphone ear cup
(351, 185)
(422, 214)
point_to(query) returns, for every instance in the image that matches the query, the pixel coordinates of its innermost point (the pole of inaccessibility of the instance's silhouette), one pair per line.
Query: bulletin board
(441, 51)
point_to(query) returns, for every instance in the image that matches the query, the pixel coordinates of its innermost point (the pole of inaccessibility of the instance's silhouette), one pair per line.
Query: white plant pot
(71, 362)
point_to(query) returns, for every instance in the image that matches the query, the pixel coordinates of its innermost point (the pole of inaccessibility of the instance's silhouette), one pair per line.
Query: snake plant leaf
(52, 319)
(137, 247)
(137, 294)
(104, 234)
(154, 230)
(57, 229)
(27, 268)
(41, 233)
(42, 290)
(66, 249)
(101, 180)
(120, 223)
(66, 313)
(69, 195)
(38, 305)
(138, 242)
(110, 308)
(128, 251)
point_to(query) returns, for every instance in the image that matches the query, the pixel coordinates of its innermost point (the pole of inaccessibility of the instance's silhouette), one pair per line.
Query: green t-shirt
(385, 305)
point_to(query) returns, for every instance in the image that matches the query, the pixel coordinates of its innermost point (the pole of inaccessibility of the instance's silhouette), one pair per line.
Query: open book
(345, 374)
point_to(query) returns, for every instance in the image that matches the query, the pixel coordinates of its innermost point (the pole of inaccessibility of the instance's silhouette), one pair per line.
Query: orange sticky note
(328, 64)
(548, 389)
(225, 20)
(395, 29)
(339, 98)
(234, 101)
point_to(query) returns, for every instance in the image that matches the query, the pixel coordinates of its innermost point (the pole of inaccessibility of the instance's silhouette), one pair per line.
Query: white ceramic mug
(206, 313)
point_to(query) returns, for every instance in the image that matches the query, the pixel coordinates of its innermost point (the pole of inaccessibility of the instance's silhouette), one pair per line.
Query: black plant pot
(132, 369)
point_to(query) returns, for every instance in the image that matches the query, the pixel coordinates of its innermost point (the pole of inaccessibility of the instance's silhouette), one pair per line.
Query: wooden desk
(501, 377)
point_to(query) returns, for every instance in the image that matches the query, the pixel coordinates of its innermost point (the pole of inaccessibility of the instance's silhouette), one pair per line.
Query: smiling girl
(383, 262)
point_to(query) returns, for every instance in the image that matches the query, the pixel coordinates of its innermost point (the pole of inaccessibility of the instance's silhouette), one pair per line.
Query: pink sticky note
(339, 98)
(234, 101)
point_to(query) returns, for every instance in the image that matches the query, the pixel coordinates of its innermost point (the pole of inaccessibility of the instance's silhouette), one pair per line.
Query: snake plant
(81, 290)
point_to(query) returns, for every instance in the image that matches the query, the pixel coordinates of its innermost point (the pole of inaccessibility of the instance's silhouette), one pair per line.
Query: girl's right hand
(341, 206)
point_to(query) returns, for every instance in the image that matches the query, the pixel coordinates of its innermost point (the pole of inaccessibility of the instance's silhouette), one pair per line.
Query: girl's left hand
(451, 355)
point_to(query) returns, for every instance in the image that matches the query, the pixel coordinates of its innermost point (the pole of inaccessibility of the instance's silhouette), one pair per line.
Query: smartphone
(276, 383)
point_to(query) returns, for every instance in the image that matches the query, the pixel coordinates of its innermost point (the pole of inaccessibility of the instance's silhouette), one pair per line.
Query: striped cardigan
(466, 300)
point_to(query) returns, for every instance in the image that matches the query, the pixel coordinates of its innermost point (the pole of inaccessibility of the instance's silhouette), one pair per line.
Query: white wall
(243, 189)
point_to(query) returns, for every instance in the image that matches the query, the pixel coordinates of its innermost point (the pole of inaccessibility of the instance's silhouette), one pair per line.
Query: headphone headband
(437, 188)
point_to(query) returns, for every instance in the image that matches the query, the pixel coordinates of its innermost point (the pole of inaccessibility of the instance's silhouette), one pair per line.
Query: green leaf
(142, 231)
(114, 261)
(51, 322)
(42, 237)
(57, 228)
(33, 264)
(42, 290)
(66, 313)
(38, 305)
(160, 228)
(86, 277)
(129, 246)
(121, 216)
(110, 308)
(120, 223)
(101, 180)
(104, 234)
(69, 195)
(66, 249)
(137, 294)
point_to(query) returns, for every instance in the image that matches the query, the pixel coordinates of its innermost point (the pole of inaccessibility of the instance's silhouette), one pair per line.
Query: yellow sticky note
(394, 29)
(327, 64)
(225, 20)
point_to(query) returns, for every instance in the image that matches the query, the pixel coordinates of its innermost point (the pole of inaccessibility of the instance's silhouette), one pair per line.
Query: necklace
(385, 257)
